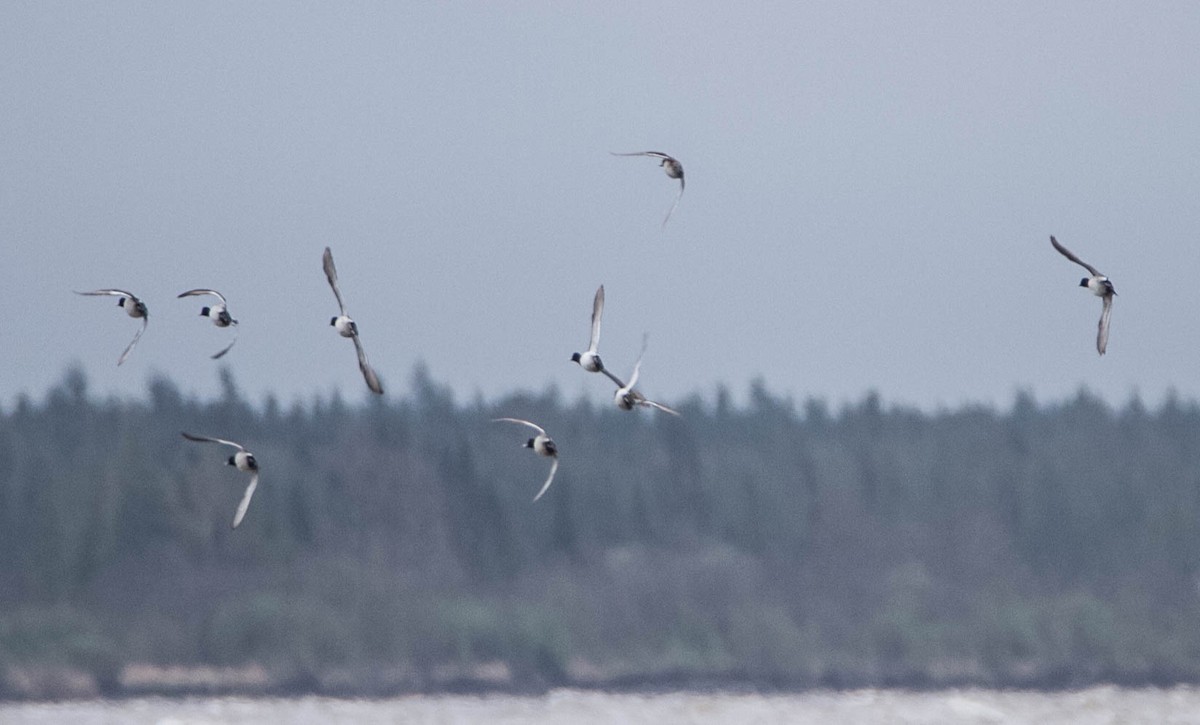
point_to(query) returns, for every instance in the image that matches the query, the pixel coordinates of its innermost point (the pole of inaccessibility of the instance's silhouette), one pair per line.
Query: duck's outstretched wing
(658, 406)
(245, 502)
(549, 479)
(637, 367)
(535, 426)
(613, 378)
(331, 275)
(209, 439)
(195, 292)
(654, 154)
(117, 292)
(137, 336)
(1102, 332)
(228, 347)
(672, 209)
(367, 371)
(597, 312)
(1067, 253)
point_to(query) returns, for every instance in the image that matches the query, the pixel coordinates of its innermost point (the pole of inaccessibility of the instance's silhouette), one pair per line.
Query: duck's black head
(121, 301)
(231, 461)
(1083, 282)
(204, 311)
(575, 357)
(332, 320)
(529, 443)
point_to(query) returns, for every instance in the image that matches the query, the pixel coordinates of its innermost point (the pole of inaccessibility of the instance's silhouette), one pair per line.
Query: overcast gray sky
(871, 187)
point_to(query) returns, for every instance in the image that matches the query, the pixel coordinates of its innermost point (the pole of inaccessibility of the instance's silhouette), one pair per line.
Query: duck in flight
(626, 397)
(243, 460)
(590, 360)
(346, 326)
(671, 166)
(133, 307)
(218, 313)
(1100, 286)
(542, 444)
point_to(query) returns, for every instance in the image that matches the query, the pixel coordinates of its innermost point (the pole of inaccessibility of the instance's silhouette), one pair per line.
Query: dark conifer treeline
(1045, 545)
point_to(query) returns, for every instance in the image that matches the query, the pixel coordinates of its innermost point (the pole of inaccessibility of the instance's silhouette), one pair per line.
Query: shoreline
(62, 684)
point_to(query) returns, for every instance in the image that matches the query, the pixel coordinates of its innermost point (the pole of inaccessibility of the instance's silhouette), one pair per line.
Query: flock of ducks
(626, 397)
(243, 459)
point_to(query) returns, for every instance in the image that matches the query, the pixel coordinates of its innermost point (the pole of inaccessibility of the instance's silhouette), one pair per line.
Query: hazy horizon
(740, 395)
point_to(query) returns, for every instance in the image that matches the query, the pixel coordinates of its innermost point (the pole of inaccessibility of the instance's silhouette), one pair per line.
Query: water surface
(1095, 705)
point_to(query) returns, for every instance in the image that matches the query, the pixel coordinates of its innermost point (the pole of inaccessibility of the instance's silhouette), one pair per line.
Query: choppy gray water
(1093, 705)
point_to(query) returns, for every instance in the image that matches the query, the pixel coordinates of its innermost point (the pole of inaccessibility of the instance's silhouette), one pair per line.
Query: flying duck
(626, 397)
(218, 313)
(346, 327)
(1100, 286)
(590, 360)
(542, 444)
(243, 460)
(133, 307)
(670, 165)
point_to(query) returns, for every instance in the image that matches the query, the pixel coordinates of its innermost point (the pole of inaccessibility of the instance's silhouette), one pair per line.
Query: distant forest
(393, 546)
